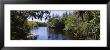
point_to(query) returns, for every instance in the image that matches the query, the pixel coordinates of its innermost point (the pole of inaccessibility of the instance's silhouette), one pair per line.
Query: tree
(19, 28)
(84, 24)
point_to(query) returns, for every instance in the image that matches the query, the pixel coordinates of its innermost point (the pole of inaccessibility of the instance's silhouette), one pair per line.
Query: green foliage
(70, 23)
(31, 24)
(84, 25)
(19, 25)
(53, 23)
(56, 23)
(42, 24)
(81, 25)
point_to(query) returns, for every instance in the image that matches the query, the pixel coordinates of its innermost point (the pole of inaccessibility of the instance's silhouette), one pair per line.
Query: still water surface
(44, 33)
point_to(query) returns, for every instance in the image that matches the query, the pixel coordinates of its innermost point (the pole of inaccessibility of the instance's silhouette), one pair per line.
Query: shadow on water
(45, 33)
(55, 34)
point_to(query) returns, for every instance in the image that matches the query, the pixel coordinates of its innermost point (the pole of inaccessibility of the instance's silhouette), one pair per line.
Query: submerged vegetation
(81, 24)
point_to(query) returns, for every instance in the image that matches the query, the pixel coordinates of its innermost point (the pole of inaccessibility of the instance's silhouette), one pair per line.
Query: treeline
(32, 24)
(20, 26)
(41, 24)
(82, 25)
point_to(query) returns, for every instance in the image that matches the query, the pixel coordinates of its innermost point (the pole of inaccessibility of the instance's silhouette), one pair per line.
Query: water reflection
(45, 33)
(55, 34)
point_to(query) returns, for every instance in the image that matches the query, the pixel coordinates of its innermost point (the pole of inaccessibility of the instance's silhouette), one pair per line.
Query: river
(44, 33)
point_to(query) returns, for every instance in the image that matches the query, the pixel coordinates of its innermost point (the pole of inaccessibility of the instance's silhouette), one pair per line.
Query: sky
(55, 12)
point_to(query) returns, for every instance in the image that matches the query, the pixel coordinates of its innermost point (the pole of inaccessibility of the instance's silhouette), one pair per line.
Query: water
(44, 33)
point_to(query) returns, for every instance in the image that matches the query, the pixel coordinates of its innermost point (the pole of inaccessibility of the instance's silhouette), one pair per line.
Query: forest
(78, 25)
